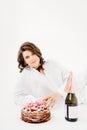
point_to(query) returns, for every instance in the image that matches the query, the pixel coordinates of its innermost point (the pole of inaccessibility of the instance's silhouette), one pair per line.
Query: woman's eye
(27, 57)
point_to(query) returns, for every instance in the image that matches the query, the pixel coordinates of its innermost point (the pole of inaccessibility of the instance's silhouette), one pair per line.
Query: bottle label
(72, 112)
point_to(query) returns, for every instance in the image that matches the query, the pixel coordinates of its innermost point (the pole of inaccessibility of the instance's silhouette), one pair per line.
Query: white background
(57, 27)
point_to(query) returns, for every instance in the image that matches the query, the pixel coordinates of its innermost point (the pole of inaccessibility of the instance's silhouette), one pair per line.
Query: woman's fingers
(46, 98)
(52, 103)
(52, 99)
(49, 101)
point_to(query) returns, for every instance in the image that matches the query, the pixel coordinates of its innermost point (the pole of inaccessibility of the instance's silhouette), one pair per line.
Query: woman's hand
(52, 99)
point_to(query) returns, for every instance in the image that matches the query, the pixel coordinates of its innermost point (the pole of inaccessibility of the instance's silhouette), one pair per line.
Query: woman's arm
(69, 87)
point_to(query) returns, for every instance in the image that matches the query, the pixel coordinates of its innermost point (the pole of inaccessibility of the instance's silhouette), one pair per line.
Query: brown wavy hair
(34, 49)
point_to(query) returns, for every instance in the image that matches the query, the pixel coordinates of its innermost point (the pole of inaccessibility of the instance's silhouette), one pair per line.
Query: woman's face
(31, 59)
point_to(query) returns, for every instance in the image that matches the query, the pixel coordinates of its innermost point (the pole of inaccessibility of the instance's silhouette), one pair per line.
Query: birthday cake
(35, 112)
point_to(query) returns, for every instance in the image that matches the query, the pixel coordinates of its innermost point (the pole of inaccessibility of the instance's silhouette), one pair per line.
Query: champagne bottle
(71, 107)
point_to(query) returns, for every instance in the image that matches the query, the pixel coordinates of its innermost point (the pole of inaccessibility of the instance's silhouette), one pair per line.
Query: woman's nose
(31, 58)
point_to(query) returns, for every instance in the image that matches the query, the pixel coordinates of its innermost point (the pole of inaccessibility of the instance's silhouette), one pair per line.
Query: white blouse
(32, 84)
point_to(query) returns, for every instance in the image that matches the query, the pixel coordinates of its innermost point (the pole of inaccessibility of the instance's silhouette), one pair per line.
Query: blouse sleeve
(22, 92)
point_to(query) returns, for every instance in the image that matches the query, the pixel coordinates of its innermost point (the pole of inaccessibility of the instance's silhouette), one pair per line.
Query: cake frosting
(35, 112)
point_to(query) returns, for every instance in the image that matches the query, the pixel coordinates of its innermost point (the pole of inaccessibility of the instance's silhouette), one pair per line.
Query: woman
(47, 80)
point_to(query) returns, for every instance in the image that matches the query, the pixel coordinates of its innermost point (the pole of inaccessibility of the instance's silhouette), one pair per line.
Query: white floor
(10, 119)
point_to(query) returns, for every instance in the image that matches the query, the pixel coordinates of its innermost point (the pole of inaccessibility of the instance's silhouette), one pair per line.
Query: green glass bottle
(71, 107)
